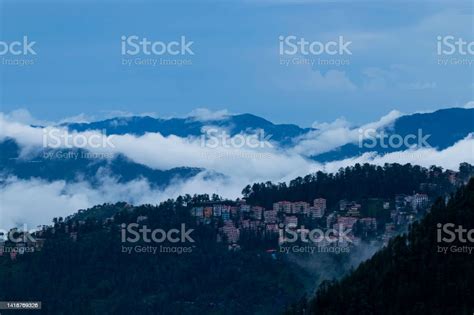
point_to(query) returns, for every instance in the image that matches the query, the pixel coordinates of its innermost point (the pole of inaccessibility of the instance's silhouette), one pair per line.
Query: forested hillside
(412, 275)
(356, 182)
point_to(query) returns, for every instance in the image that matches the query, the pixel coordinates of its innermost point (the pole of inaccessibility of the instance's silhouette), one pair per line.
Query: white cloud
(336, 124)
(333, 79)
(36, 201)
(204, 114)
(449, 158)
(381, 78)
(23, 116)
(80, 118)
(308, 79)
(336, 134)
(469, 105)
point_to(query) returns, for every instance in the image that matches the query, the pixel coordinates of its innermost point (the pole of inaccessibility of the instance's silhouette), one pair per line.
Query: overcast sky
(236, 62)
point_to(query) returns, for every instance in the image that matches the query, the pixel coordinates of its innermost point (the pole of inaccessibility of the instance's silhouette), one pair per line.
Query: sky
(236, 62)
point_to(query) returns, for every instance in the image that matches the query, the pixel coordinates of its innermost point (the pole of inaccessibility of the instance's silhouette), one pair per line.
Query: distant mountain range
(186, 127)
(72, 165)
(49, 164)
(444, 127)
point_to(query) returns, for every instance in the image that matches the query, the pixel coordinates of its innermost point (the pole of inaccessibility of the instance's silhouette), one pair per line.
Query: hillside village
(366, 220)
(235, 219)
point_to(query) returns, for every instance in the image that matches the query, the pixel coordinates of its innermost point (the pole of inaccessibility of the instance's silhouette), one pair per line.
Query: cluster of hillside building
(244, 217)
(233, 218)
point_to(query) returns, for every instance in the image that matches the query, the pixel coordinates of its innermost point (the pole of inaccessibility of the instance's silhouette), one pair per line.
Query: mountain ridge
(191, 126)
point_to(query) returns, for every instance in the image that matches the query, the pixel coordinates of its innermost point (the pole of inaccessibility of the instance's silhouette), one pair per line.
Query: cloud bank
(37, 201)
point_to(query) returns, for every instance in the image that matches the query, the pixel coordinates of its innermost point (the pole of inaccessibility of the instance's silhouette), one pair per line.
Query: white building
(419, 201)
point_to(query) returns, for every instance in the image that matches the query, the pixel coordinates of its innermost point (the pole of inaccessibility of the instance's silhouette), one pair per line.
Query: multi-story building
(217, 210)
(394, 215)
(283, 206)
(330, 220)
(369, 223)
(234, 211)
(300, 207)
(254, 225)
(342, 205)
(320, 203)
(245, 224)
(315, 212)
(245, 208)
(271, 228)
(270, 216)
(319, 208)
(353, 210)
(226, 213)
(419, 201)
(345, 222)
(291, 221)
(231, 232)
(207, 212)
(257, 212)
(400, 202)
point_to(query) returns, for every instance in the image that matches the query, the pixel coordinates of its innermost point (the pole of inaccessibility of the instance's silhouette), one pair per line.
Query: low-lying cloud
(37, 201)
